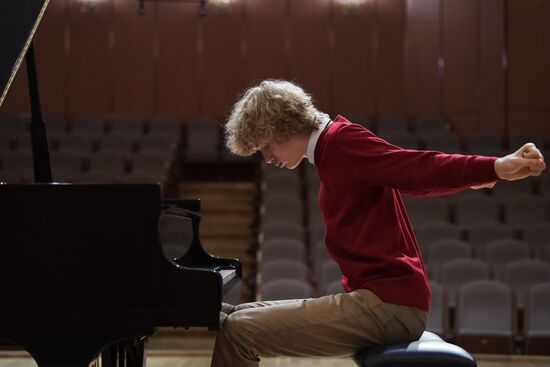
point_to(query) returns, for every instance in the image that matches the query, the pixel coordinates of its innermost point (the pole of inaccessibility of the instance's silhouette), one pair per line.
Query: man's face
(285, 155)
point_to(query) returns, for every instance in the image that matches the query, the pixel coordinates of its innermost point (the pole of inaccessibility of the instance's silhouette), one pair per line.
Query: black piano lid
(19, 20)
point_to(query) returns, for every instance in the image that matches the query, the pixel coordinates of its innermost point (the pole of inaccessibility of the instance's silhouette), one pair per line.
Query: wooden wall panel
(492, 121)
(491, 78)
(464, 124)
(134, 59)
(221, 72)
(89, 81)
(386, 56)
(309, 48)
(353, 37)
(535, 121)
(50, 58)
(266, 39)
(17, 99)
(389, 76)
(421, 57)
(460, 33)
(529, 54)
(176, 69)
(50, 66)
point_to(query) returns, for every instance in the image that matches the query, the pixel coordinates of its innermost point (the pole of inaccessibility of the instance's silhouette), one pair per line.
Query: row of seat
(95, 125)
(519, 211)
(100, 167)
(84, 144)
(435, 132)
(200, 138)
(486, 319)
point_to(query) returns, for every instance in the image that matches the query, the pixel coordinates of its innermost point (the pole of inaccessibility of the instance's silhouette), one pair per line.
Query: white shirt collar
(310, 153)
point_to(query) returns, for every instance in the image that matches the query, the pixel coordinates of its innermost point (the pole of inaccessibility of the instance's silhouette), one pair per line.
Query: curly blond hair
(273, 110)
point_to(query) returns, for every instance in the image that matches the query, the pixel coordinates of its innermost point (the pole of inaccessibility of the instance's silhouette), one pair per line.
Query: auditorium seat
(518, 139)
(504, 190)
(391, 123)
(131, 126)
(424, 210)
(5, 143)
(442, 251)
(521, 275)
(119, 143)
(157, 144)
(335, 287)
(544, 182)
(54, 124)
(446, 142)
(328, 273)
(66, 166)
(546, 253)
(282, 248)
(285, 289)
(13, 124)
(281, 229)
(474, 210)
(157, 165)
(522, 211)
(537, 236)
(428, 125)
(87, 125)
(108, 164)
(316, 229)
(17, 166)
(202, 140)
(143, 176)
(485, 317)
(288, 184)
(438, 319)
(282, 207)
(77, 144)
(315, 222)
(502, 252)
(537, 322)
(282, 269)
(165, 126)
(485, 143)
(22, 142)
(455, 273)
(479, 235)
(435, 231)
(361, 120)
(319, 255)
(402, 139)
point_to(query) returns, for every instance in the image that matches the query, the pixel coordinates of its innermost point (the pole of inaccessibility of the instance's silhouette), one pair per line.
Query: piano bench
(428, 351)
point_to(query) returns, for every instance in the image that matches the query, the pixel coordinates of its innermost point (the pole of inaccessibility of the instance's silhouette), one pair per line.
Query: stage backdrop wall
(483, 63)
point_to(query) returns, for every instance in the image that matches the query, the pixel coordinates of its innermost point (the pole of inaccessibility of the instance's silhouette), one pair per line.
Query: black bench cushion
(428, 351)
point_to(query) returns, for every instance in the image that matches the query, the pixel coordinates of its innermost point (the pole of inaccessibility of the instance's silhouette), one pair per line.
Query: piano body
(83, 266)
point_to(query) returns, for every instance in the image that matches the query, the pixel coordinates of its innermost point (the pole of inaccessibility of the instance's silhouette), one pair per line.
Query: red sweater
(368, 232)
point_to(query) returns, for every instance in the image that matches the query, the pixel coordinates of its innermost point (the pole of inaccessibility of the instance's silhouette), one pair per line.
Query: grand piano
(82, 265)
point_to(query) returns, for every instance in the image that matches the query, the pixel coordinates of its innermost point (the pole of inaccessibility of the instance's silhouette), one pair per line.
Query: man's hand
(526, 161)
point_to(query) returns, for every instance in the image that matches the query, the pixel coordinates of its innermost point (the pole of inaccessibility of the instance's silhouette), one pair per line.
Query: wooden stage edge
(514, 359)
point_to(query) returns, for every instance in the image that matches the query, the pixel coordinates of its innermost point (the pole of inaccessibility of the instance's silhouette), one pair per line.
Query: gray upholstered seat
(428, 351)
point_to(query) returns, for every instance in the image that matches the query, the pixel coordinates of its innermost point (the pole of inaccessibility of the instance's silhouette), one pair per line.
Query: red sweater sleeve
(414, 172)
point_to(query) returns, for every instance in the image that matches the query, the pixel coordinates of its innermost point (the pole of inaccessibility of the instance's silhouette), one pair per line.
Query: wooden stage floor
(193, 349)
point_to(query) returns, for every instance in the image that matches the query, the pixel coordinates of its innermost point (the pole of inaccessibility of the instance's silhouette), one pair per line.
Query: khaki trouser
(334, 325)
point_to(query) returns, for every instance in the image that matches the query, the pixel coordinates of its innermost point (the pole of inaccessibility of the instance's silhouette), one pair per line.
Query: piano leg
(136, 354)
(130, 353)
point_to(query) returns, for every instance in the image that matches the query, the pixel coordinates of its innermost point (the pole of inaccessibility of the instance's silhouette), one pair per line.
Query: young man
(367, 231)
